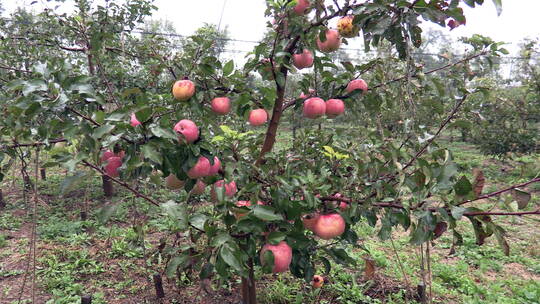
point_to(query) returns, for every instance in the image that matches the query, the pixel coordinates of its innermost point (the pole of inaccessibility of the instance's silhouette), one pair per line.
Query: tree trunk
(108, 189)
(249, 290)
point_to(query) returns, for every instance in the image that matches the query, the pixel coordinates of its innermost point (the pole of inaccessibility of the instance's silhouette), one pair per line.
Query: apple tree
(213, 130)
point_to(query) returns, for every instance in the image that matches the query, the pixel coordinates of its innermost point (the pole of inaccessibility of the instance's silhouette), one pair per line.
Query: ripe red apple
(309, 220)
(332, 42)
(314, 107)
(334, 107)
(187, 131)
(201, 168)
(302, 7)
(106, 155)
(329, 226)
(134, 121)
(214, 169)
(230, 189)
(357, 84)
(303, 60)
(221, 105)
(346, 28)
(183, 89)
(199, 187)
(317, 281)
(113, 163)
(173, 183)
(282, 256)
(258, 117)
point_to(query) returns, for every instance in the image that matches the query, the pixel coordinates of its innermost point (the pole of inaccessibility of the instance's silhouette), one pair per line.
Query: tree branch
(121, 183)
(293, 101)
(488, 195)
(35, 144)
(502, 213)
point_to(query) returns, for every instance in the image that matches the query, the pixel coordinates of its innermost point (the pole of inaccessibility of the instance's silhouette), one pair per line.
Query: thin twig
(123, 184)
(498, 192)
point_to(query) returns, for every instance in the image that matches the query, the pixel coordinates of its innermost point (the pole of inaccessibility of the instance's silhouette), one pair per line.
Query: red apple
(201, 168)
(357, 84)
(187, 131)
(303, 60)
(329, 226)
(258, 117)
(317, 281)
(334, 107)
(332, 42)
(221, 105)
(199, 187)
(173, 183)
(214, 169)
(183, 89)
(134, 121)
(282, 256)
(302, 7)
(230, 189)
(106, 155)
(314, 107)
(113, 163)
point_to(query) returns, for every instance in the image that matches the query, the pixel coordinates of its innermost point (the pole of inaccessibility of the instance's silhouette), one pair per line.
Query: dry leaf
(369, 270)
(479, 181)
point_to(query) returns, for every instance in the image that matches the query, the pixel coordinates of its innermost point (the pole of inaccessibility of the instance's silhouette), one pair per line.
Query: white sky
(245, 19)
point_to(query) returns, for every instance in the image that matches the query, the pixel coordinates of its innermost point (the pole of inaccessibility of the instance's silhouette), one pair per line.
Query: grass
(114, 262)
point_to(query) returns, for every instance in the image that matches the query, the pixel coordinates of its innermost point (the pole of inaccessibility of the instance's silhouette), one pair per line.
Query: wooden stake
(2, 203)
(87, 299)
(421, 289)
(108, 189)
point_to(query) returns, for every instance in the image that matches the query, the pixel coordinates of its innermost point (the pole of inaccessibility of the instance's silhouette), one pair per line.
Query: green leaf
(463, 186)
(206, 271)
(151, 153)
(457, 212)
(231, 256)
(266, 213)
(33, 86)
(341, 256)
(105, 213)
(176, 212)
(220, 239)
(198, 221)
(162, 133)
(179, 260)
(326, 264)
(228, 68)
(275, 237)
(100, 131)
(70, 182)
